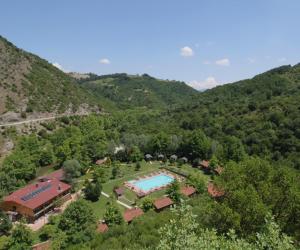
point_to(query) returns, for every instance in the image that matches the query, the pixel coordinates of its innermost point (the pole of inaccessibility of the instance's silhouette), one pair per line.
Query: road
(37, 120)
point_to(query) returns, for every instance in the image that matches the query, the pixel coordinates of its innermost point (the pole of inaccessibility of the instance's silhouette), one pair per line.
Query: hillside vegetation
(139, 91)
(29, 83)
(263, 112)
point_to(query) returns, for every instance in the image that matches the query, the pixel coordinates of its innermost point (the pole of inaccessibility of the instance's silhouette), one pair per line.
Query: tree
(234, 149)
(174, 191)
(213, 163)
(20, 239)
(135, 154)
(72, 169)
(78, 222)
(198, 145)
(138, 166)
(115, 171)
(92, 190)
(113, 216)
(183, 232)
(197, 181)
(46, 156)
(5, 223)
(147, 204)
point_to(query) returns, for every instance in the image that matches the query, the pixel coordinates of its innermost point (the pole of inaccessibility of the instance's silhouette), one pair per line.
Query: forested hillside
(128, 91)
(251, 128)
(263, 112)
(29, 83)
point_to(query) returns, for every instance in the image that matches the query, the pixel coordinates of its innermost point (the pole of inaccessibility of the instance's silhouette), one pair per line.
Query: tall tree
(78, 222)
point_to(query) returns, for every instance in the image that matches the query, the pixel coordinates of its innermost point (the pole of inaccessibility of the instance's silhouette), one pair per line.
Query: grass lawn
(99, 206)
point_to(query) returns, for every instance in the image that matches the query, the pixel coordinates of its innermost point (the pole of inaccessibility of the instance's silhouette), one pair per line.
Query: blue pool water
(153, 182)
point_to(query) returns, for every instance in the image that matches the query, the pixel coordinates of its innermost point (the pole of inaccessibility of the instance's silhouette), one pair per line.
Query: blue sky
(204, 43)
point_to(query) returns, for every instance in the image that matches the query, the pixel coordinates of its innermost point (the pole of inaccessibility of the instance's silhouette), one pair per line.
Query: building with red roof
(119, 191)
(102, 227)
(132, 213)
(162, 203)
(34, 200)
(188, 190)
(214, 191)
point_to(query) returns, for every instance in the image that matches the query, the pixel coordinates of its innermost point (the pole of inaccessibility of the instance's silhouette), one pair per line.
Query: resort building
(204, 165)
(35, 200)
(102, 227)
(119, 191)
(188, 191)
(162, 203)
(214, 191)
(132, 213)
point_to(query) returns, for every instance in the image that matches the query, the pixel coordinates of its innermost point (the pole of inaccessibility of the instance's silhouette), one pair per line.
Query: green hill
(128, 91)
(263, 112)
(30, 83)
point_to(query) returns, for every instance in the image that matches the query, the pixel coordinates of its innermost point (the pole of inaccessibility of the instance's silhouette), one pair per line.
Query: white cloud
(186, 51)
(57, 65)
(223, 62)
(206, 62)
(208, 83)
(104, 61)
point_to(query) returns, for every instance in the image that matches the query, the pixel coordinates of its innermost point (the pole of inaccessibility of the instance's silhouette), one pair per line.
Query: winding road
(38, 120)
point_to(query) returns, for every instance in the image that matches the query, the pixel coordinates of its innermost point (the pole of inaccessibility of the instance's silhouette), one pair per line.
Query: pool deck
(141, 193)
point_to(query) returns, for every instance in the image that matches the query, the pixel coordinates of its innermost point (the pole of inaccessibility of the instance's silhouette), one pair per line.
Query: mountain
(129, 91)
(263, 112)
(29, 83)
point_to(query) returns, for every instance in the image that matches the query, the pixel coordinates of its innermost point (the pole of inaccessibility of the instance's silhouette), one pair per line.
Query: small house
(102, 227)
(214, 191)
(132, 213)
(119, 191)
(188, 191)
(162, 203)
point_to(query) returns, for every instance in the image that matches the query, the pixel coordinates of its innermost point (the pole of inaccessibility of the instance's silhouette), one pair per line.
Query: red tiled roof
(119, 191)
(188, 190)
(214, 191)
(48, 191)
(163, 202)
(132, 213)
(204, 164)
(58, 174)
(101, 161)
(102, 227)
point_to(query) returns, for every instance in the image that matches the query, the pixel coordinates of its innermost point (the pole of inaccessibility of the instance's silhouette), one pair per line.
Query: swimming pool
(152, 182)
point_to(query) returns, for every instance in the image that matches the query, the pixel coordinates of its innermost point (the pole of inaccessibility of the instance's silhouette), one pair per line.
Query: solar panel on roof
(35, 193)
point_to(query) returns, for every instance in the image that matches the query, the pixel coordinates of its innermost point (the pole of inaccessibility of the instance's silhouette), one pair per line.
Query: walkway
(120, 202)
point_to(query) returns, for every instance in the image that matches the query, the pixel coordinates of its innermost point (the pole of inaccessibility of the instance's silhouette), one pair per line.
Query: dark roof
(132, 213)
(102, 227)
(163, 202)
(188, 190)
(214, 191)
(119, 191)
(58, 174)
(204, 164)
(35, 195)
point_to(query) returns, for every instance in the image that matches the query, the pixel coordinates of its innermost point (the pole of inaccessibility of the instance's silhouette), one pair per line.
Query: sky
(202, 42)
